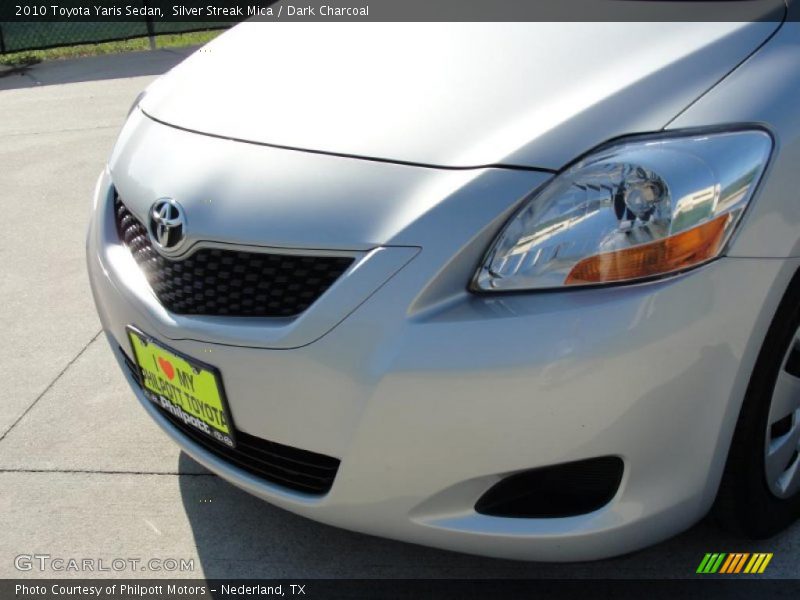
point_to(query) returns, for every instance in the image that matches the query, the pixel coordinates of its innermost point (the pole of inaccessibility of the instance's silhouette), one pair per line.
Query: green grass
(174, 40)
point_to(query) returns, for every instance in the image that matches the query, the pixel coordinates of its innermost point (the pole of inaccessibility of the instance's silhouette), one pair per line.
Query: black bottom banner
(199, 589)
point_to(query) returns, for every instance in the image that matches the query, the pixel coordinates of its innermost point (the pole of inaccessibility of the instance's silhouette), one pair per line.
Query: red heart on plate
(167, 367)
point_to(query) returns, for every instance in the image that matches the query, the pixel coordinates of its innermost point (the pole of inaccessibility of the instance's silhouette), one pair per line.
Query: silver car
(524, 290)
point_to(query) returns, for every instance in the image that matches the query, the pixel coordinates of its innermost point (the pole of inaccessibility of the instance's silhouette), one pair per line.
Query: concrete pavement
(83, 472)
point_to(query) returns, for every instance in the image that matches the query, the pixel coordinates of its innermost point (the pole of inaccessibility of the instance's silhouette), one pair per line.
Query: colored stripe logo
(734, 562)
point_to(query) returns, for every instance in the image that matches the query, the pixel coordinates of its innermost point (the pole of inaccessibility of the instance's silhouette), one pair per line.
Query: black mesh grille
(227, 282)
(300, 470)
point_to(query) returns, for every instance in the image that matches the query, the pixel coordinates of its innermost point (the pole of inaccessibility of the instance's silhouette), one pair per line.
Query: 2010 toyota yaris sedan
(516, 289)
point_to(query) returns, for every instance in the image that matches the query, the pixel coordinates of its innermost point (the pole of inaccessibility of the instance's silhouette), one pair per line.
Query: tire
(752, 500)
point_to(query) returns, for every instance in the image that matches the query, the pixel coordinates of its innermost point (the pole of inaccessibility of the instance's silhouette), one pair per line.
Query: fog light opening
(564, 490)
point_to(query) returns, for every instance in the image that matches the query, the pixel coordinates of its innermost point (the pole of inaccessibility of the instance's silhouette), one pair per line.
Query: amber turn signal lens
(680, 251)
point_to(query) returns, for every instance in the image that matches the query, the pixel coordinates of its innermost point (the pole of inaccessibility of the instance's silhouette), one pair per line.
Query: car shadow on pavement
(96, 68)
(240, 536)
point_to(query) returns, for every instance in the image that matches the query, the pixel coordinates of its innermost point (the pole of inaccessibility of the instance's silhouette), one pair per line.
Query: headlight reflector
(635, 210)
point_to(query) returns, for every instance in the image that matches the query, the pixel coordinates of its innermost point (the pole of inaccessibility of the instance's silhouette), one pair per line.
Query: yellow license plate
(187, 389)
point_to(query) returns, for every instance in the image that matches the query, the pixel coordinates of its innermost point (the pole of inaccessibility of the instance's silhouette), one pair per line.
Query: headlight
(637, 209)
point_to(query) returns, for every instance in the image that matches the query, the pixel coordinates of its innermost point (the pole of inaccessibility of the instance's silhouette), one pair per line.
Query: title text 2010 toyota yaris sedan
(521, 290)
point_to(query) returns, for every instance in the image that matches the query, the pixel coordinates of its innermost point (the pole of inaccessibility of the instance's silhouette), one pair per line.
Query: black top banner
(203, 11)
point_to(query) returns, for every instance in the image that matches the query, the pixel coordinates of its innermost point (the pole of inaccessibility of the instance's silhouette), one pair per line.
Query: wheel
(760, 490)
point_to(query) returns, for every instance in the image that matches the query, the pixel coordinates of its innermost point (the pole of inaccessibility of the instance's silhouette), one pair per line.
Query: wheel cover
(782, 440)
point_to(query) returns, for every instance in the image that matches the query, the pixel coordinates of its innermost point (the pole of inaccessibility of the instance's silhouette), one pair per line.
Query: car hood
(448, 94)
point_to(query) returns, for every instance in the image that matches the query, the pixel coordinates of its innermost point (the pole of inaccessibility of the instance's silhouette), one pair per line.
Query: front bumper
(429, 395)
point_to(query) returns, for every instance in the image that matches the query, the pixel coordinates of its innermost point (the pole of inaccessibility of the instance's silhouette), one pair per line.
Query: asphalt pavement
(83, 471)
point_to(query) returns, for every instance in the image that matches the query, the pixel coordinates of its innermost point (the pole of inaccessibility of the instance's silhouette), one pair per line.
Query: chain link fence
(18, 36)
